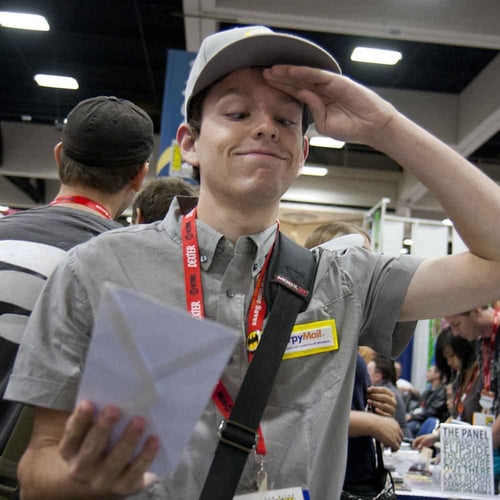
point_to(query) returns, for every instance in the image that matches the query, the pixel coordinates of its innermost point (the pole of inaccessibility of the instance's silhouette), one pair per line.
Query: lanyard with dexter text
(82, 200)
(195, 307)
(488, 351)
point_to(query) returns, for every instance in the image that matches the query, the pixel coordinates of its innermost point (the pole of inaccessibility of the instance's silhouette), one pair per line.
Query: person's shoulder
(127, 233)
(125, 236)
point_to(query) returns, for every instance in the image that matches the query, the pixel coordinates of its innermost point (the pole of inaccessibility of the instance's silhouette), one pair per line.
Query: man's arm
(384, 429)
(347, 111)
(67, 457)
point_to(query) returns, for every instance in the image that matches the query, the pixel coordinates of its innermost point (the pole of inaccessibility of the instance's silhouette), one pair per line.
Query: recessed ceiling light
(408, 242)
(56, 81)
(376, 56)
(316, 171)
(23, 21)
(325, 142)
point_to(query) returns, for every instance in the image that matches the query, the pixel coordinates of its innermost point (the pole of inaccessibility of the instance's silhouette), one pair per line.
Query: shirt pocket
(303, 381)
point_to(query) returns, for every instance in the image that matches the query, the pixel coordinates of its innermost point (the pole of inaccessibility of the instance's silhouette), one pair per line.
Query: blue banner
(169, 159)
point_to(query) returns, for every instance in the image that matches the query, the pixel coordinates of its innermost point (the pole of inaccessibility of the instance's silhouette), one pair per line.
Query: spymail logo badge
(312, 338)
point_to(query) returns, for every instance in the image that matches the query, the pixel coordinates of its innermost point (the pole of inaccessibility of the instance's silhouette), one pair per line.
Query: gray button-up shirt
(306, 419)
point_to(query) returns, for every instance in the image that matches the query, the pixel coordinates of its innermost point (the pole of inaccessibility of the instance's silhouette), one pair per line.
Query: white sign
(467, 459)
(284, 494)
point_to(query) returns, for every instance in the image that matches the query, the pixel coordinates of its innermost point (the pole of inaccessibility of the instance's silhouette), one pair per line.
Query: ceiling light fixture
(316, 171)
(325, 142)
(56, 81)
(376, 56)
(23, 21)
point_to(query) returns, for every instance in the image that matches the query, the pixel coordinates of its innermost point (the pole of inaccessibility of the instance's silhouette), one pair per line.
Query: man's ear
(305, 153)
(137, 217)
(305, 148)
(186, 138)
(57, 153)
(137, 181)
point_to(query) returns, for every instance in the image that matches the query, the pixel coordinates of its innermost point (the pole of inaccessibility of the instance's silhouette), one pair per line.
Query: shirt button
(230, 293)
(203, 258)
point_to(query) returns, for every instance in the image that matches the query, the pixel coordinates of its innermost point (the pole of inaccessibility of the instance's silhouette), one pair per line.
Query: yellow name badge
(312, 338)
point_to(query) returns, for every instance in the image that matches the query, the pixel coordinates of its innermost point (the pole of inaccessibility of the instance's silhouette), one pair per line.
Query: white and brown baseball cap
(251, 46)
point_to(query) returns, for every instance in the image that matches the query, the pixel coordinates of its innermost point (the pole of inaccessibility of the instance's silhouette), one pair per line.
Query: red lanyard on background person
(489, 350)
(461, 395)
(82, 200)
(195, 307)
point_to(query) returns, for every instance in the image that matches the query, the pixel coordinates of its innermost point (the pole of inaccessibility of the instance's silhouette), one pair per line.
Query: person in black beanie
(102, 160)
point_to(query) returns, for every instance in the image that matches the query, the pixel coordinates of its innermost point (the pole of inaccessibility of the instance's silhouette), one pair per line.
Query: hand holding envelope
(155, 361)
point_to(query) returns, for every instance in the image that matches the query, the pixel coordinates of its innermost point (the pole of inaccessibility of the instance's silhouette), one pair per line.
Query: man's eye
(285, 122)
(239, 115)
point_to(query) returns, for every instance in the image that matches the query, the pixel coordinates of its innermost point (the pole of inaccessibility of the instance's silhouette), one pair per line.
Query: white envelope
(155, 361)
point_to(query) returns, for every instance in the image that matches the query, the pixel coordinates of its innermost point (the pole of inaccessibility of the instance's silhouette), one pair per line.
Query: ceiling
(448, 79)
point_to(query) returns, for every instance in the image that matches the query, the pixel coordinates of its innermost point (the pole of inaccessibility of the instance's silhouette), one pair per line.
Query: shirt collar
(210, 240)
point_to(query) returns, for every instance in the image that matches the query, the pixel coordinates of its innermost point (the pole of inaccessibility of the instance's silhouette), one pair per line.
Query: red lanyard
(195, 307)
(81, 200)
(489, 350)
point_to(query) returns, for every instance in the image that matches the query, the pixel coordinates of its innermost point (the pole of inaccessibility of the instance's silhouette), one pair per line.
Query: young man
(245, 135)
(432, 402)
(102, 160)
(483, 324)
(381, 371)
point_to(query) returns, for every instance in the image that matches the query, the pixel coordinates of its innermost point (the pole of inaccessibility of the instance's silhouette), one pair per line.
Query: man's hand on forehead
(342, 109)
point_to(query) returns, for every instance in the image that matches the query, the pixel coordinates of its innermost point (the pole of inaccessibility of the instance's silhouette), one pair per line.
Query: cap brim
(266, 49)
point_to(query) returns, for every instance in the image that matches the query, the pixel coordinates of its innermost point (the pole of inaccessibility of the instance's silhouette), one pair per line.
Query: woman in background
(458, 354)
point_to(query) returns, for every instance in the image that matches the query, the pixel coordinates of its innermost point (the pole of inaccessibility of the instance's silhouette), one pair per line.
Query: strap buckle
(238, 435)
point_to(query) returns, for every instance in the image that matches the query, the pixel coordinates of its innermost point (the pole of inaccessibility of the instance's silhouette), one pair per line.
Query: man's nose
(266, 126)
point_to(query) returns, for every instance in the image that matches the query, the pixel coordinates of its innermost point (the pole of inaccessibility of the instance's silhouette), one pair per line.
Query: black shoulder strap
(291, 277)
(293, 267)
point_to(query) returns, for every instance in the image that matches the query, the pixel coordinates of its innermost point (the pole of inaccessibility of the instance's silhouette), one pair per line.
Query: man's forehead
(241, 83)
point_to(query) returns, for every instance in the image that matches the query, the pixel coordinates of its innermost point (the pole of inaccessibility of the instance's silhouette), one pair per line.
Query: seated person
(432, 403)
(466, 384)
(411, 395)
(381, 370)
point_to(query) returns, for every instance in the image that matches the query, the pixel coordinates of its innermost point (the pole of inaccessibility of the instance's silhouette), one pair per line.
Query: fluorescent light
(56, 81)
(376, 56)
(316, 171)
(325, 142)
(23, 21)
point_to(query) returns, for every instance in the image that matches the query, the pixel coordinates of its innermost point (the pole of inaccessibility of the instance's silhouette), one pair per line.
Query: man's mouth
(261, 152)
